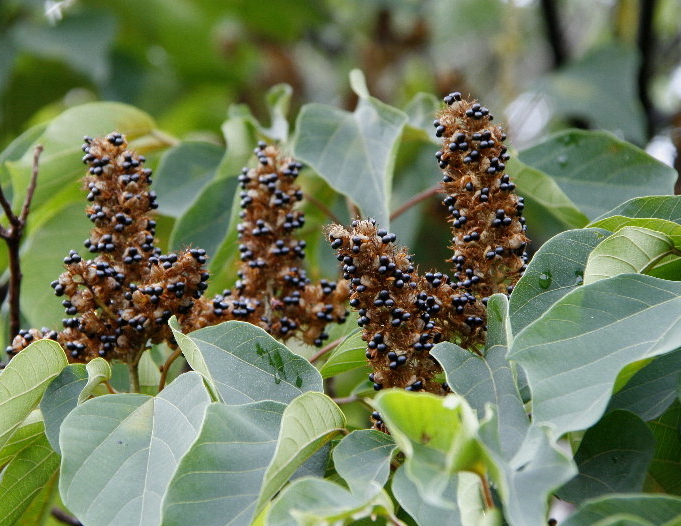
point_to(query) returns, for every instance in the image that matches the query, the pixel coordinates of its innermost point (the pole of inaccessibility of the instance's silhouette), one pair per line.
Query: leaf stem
(486, 492)
(415, 200)
(64, 517)
(328, 347)
(321, 206)
(166, 366)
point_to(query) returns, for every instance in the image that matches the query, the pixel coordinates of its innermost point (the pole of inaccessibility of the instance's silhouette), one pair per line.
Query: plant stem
(64, 517)
(486, 492)
(554, 33)
(646, 46)
(346, 399)
(415, 200)
(134, 376)
(12, 235)
(164, 368)
(316, 202)
(328, 347)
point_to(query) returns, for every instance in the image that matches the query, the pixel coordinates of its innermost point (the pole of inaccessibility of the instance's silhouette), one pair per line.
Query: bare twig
(166, 366)
(316, 202)
(328, 347)
(646, 47)
(554, 33)
(415, 200)
(12, 235)
(486, 492)
(64, 517)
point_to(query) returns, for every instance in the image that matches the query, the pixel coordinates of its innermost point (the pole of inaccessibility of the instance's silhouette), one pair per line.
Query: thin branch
(166, 366)
(31, 185)
(328, 213)
(646, 46)
(486, 492)
(554, 33)
(347, 399)
(328, 347)
(64, 517)
(415, 200)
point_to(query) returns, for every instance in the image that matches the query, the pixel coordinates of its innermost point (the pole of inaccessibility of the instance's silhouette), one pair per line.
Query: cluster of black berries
(121, 300)
(404, 314)
(273, 290)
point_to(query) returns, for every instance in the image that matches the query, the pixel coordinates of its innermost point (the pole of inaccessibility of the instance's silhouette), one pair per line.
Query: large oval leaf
(219, 479)
(597, 171)
(659, 206)
(630, 250)
(658, 510)
(123, 449)
(354, 152)
(245, 364)
(556, 269)
(347, 356)
(23, 382)
(573, 353)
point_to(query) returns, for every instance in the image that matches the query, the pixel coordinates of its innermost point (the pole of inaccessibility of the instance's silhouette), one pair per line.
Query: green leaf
(183, 172)
(548, 210)
(438, 437)
(61, 397)
(240, 131)
(278, 101)
(320, 502)
(354, 152)
(615, 223)
(607, 97)
(38, 511)
(309, 422)
(556, 269)
(658, 510)
(613, 457)
(526, 480)
(98, 372)
(125, 448)
(597, 171)
(22, 480)
(421, 110)
(664, 474)
(407, 494)
(652, 389)
(347, 356)
(245, 364)
(362, 458)
(219, 479)
(32, 427)
(192, 229)
(23, 382)
(659, 206)
(60, 163)
(573, 353)
(630, 250)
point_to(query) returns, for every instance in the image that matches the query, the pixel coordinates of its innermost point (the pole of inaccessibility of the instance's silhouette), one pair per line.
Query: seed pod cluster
(488, 227)
(121, 299)
(273, 290)
(404, 313)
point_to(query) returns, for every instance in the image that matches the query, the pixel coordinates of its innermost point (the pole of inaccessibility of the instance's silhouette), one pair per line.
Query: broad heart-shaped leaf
(664, 474)
(319, 502)
(613, 457)
(438, 437)
(656, 510)
(630, 250)
(219, 479)
(119, 452)
(245, 364)
(659, 206)
(525, 481)
(309, 422)
(183, 171)
(347, 356)
(73, 386)
(597, 171)
(547, 209)
(23, 382)
(60, 163)
(22, 480)
(362, 458)
(652, 389)
(61, 397)
(573, 353)
(556, 269)
(354, 152)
